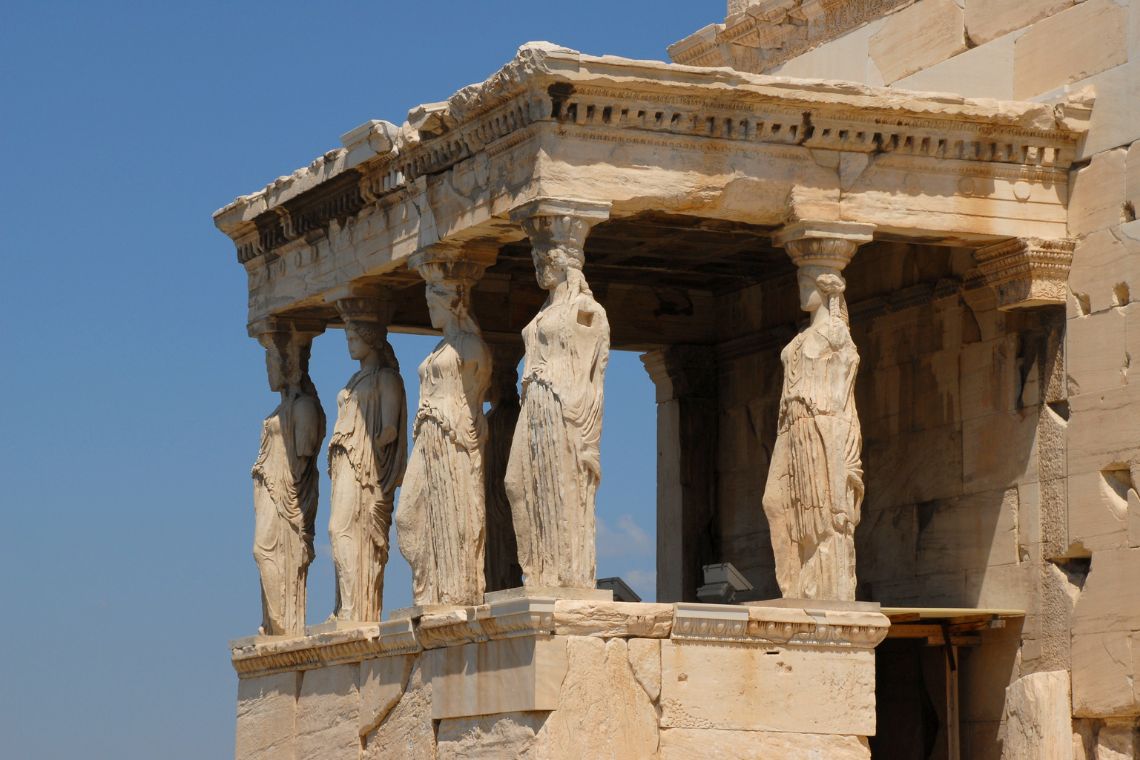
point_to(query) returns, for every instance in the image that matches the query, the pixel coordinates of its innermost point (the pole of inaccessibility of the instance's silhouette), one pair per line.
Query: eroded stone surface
(720, 744)
(645, 660)
(382, 682)
(602, 711)
(1037, 718)
(835, 691)
(609, 619)
(408, 730)
(490, 737)
(328, 714)
(918, 36)
(266, 717)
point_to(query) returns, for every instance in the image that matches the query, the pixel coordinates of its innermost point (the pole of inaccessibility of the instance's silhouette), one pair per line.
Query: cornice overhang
(697, 106)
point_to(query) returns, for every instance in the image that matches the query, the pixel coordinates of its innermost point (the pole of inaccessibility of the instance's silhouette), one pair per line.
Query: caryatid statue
(367, 457)
(285, 477)
(441, 519)
(815, 479)
(554, 468)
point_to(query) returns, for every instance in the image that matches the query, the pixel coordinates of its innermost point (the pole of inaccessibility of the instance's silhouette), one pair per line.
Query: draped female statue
(441, 519)
(815, 480)
(554, 467)
(285, 483)
(367, 456)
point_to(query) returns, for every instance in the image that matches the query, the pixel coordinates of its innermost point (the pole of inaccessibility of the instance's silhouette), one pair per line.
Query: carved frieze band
(1027, 272)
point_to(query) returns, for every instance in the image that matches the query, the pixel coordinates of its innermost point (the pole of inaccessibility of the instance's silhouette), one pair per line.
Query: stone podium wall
(540, 679)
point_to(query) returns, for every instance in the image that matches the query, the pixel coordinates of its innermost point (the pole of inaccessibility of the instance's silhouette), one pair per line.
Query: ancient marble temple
(888, 333)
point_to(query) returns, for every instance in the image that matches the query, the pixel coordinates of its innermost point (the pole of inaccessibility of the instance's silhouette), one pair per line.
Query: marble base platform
(557, 679)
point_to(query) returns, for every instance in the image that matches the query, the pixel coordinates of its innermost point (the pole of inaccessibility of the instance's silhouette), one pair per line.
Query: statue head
(286, 359)
(366, 329)
(556, 264)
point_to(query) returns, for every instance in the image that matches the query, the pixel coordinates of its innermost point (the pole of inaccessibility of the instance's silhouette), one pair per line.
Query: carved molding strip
(535, 616)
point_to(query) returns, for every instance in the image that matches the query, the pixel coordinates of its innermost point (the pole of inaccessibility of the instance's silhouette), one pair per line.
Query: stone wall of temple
(1002, 449)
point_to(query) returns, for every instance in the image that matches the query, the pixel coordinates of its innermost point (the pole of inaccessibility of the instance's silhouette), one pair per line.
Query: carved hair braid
(833, 286)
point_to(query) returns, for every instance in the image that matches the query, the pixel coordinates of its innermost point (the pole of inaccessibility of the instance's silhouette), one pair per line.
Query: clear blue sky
(132, 398)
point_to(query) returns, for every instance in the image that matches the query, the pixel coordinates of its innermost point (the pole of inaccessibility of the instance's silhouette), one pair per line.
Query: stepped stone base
(549, 679)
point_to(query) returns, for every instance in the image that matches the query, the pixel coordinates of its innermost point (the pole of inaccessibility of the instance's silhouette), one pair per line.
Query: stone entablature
(676, 139)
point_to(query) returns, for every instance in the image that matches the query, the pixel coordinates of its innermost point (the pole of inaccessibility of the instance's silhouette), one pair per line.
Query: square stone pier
(543, 678)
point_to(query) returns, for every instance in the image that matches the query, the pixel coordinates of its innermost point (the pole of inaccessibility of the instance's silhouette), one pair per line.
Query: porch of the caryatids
(554, 469)
(285, 475)
(367, 456)
(441, 520)
(815, 480)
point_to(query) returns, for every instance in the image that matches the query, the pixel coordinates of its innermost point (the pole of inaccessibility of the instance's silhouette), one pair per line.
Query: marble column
(502, 555)
(285, 475)
(815, 480)
(367, 456)
(687, 533)
(441, 519)
(554, 468)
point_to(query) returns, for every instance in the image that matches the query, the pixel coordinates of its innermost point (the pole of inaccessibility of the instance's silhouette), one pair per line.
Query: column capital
(1027, 272)
(682, 371)
(447, 262)
(559, 222)
(822, 243)
(303, 327)
(363, 302)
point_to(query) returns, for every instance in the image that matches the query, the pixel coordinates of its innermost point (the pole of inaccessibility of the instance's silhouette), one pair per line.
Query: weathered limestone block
(612, 619)
(1100, 505)
(1118, 739)
(917, 37)
(972, 532)
(382, 682)
(1115, 120)
(645, 659)
(1110, 600)
(328, 714)
(834, 690)
(266, 717)
(408, 730)
(1104, 669)
(989, 19)
(1132, 159)
(720, 744)
(847, 57)
(1069, 46)
(1037, 723)
(1101, 430)
(1106, 270)
(1097, 192)
(602, 710)
(982, 72)
(490, 737)
(503, 675)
